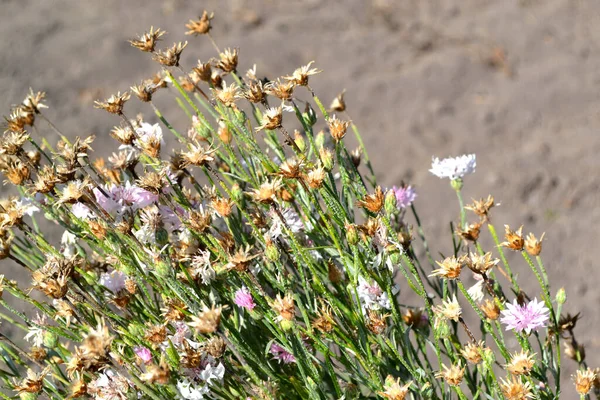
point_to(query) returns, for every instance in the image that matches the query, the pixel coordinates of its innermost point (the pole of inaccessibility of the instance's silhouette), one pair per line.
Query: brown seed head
(532, 245)
(470, 233)
(315, 177)
(33, 102)
(449, 268)
(453, 376)
(373, 202)
(449, 309)
(254, 92)
(393, 389)
(216, 347)
(145, 90)
(33, 383)
(490, 309)
(114, 104)
(566, 323)
(291, 168)
(267, 191)
(281, 90)
(514, 239)
(271, 119)
(151, 181)
(208, 320)
(74, 192)
(338, 104)
(228, 60)
(521, 363)
(241, 260)
(334, 274)
(12, 142)
(284, 307)
(15, 171)
(156, 334)
(203, 71)
(584, 381)
(574, 350)
(96, 344)
(222, 206)
(356, 156)
(228, 94)
(198, 155)
(515, 389)
(482, 207)
(200, 26)
(376, 323)
(174, 310)
(199, 220)
(148, 40)
(324, 322)
(124, 135)
(472, 352)
(337, 128)
(170, 57)
(480, 264)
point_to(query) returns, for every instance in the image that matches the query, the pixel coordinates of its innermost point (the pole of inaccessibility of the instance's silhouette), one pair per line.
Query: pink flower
(143, 353)
(282, 355)
(526, 318)
(405, 195)
(243, 299)
(120, 198)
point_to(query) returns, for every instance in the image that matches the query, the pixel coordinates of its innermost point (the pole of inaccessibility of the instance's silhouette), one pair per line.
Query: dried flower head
(157, 373)
(449, 268)
(376, 322)
(201, 26)
(449, 309)
(222, 206)
(281, 90)
(473, 352)
(12, 142)
(267, 191)
(482, 207)
(453, 376)
(315, 177)
(291, 168)
(208, 320)
(284, 307)
(337, 128)
(480, 264)
(470, 233)
(145, 90)
(271, 119)
(199, 220)
(490, 309)
(584, 381)
(373, 202)
(521, 363)
(566, 323)
(228, 60)
(240, 261)
(324, 322)
(515, 389)
(15, 171)
(32, 383)
(156, 334)
(228, 94)
(300, 75)
(393, 389)
(114, 104)
(203, 71)
(96, 344)
(170, 57)
(514, 239)
(254, 92)
(33, 101)
(338, 104)
(198, 155)
(148, 40)
(533, 246)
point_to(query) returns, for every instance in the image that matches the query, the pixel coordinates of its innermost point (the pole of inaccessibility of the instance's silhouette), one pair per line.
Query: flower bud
(320, 139)
(441, 329)
(390, 202)
(456, 184)
(162, 236)
(271, 251)
(352, 234)
(50, 339)
(299, 140)
(163, 268)
(172, 356)
(286, 325)
(394, 254)
(561, 296)
(327, 158)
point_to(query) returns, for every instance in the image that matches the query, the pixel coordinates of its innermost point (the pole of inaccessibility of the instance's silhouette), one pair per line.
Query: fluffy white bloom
(82, 211)
(68, 241)
(453, 167)
(196, 386)
(148, 132)
(476, 291)
(188, 390)
(113, 281)
(202, 268)
(36, 333)
(27, 206)
(372, 297)
(292, 220)
(145, 235)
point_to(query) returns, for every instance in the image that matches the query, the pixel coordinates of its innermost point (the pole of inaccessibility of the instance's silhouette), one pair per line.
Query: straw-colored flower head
(281, 90)
(228, 60)
(151, 181)
(157, 373)
(393, 389)
(337, 128)
(271, 119)
(284, 307)
(18, 118)
(208, 320)
(198, 155)
(584, 381)
(574, 350)
(482, 207)
(267, 192)
(114, 104)
(338, 104)
(79, 389)
(15, 171)
(480, 264)
(449, 268)
(300, 75)
(222, 206)
(291, 168)
(453, 376)
(473, 352)
(254, 92)
(144, 91)
(470, 233)
(12, 142)
(514, 239)
(170, 57)
(201, 26)
(373, 202)
(449, 309)
(32, 383)
(315, 177)
(123, 135)
(324, 322)
(203, 71)
(156, 334)
(240, 261)
(199, 220)
(96, 343)
(533, 246)
(490, 309)
(74, 192)
(521, 363)
(33, 101)
(515, 389)
(148, 40)
(228, 95)
(174, 310)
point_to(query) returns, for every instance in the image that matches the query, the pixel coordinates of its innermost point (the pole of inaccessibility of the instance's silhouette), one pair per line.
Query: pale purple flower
(405, 195)
(120, 198)
(171, 218)
(526, 318)
(143, 353)
(371, 296)
(243, 298)
(280, 354)
(82, 211)
(291, 219)
(149, 133)
(113, 281)
(453, 167)
(28, 206)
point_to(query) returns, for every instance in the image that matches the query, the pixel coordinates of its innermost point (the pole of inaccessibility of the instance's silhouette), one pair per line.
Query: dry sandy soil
(515, 81)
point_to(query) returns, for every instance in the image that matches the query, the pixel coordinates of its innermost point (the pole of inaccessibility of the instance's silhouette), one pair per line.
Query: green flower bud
(326, 158)
(441, 329)
(561, 296)
(299, 140)
(237, 194)
(172, 356)
(50, 339)
(162, 237)
(394, 254)
(457, 184)
(352, 234)
(163, 268)
(271, 251)
(390, 203)
(309, 115)
(28, 396)
(136, 329)
(286, 325)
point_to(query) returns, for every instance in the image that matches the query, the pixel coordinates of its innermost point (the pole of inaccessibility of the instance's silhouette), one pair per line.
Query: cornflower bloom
(405, 195)
(282, 355)
(526, 318)
(243, 298)
(453, 167)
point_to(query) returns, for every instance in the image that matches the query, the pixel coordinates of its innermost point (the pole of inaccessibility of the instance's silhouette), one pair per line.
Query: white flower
(145, 235)
(201, 268)
(292, 220)
(476, 291)
(36, 333)
(82, 211)
(68, 241)
(113, 281)
(190, 391)
(212, 373)
(27, 206)
(372, 297)
(453, 167)
(148, 132)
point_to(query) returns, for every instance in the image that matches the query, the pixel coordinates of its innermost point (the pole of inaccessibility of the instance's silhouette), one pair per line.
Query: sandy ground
(516, 81)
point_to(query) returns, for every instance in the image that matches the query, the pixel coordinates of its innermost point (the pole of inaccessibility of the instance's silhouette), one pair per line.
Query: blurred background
(516, 81)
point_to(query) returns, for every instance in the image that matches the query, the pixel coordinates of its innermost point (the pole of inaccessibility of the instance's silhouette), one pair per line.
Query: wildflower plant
(251, 262)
